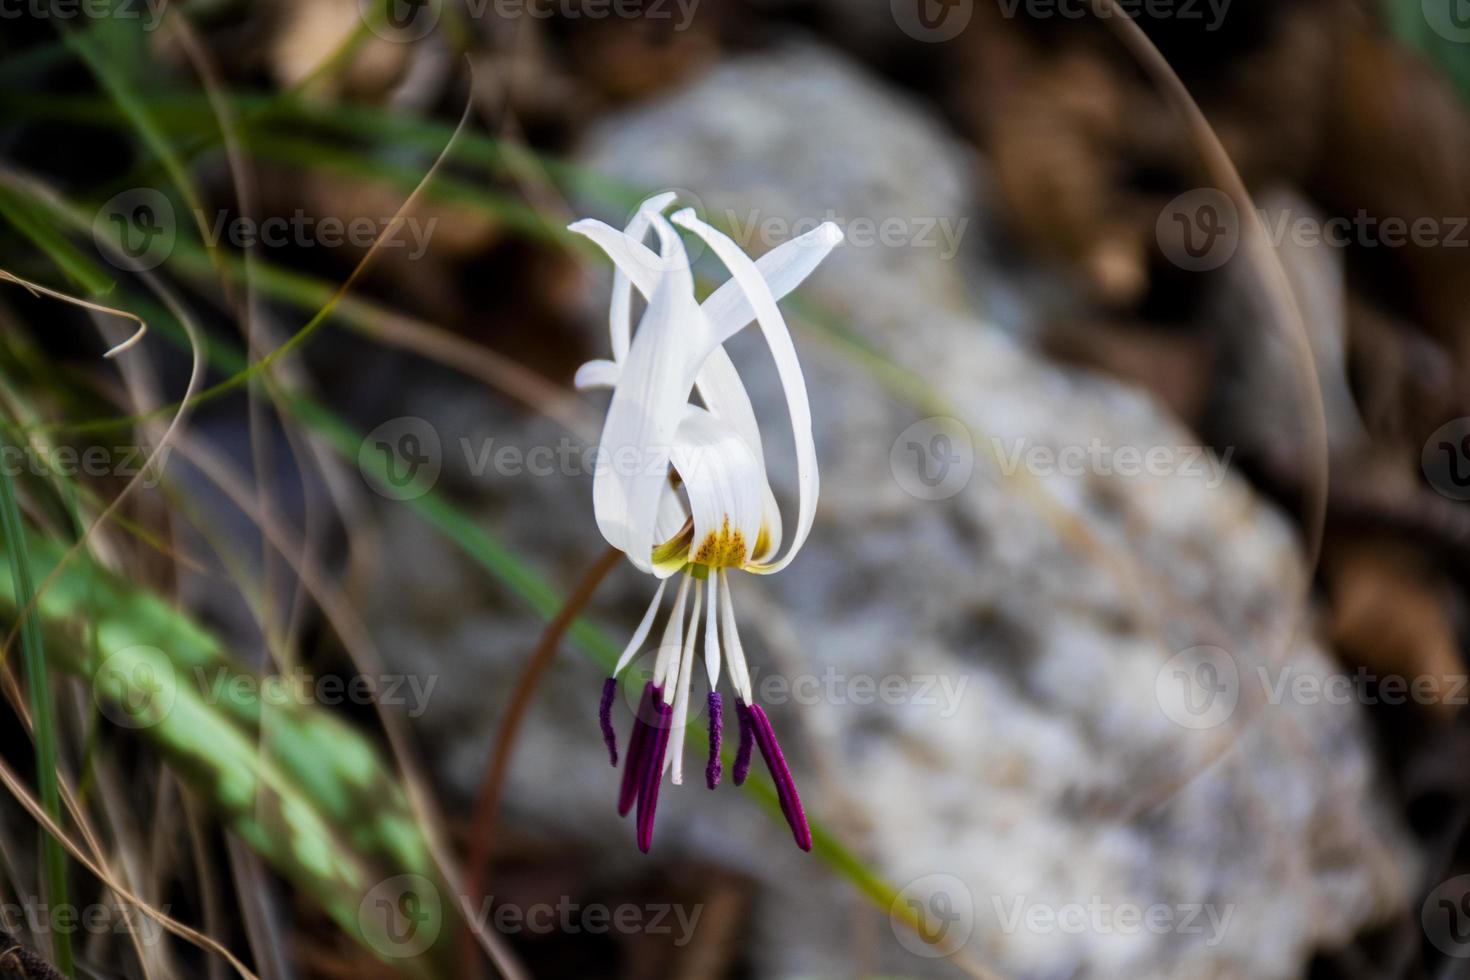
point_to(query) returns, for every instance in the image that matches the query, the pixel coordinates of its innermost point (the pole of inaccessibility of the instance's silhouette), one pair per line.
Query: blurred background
(1130, 638)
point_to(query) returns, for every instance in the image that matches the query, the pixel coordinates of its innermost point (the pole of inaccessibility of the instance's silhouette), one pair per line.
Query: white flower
(682, 487)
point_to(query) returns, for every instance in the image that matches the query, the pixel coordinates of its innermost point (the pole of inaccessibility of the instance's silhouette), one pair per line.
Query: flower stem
(487, 808)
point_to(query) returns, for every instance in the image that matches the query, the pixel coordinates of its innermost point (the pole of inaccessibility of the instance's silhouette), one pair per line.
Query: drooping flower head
(681, 487)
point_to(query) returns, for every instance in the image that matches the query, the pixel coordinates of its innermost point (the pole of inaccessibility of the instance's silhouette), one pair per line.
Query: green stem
(53, 857)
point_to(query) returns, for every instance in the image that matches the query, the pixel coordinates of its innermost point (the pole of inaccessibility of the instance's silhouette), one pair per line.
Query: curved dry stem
(487, 808)
(33, 806)
(36, 289)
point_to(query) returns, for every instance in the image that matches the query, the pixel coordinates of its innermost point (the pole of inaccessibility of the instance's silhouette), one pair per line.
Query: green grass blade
(43, 717)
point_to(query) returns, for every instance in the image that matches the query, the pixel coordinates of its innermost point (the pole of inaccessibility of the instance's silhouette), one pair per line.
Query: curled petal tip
(659, 201)
(831, 234)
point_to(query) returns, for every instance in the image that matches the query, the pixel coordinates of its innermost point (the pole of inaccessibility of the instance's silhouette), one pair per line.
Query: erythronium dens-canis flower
(681, 488)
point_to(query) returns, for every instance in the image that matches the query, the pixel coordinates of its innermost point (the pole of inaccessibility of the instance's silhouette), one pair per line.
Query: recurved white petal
(619, 317)
(773, 327)
(597, 374)
(783, 268)
(635, 260)
(647, 408)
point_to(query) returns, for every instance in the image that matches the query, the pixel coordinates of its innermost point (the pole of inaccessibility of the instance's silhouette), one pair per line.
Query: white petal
(788, 367)
(636, 261)
(647, 407)
(675, 758)
(783, 268)
(734, 653)
(673, 514)
(597, 374)
(618, 316)
(723, 483)
(725, 396)
(672, 642)
(712, 634)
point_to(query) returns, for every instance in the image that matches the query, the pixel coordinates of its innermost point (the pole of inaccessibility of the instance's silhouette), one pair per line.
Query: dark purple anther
(781, 773)
(716, 728)
(653, 771)
(742, 753)
(637, 746)
(604, 717)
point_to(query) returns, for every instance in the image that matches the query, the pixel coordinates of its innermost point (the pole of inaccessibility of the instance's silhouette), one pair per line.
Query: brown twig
(487, 808)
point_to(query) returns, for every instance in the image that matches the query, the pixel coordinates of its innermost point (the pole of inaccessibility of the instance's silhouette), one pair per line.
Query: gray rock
(1032, 758)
